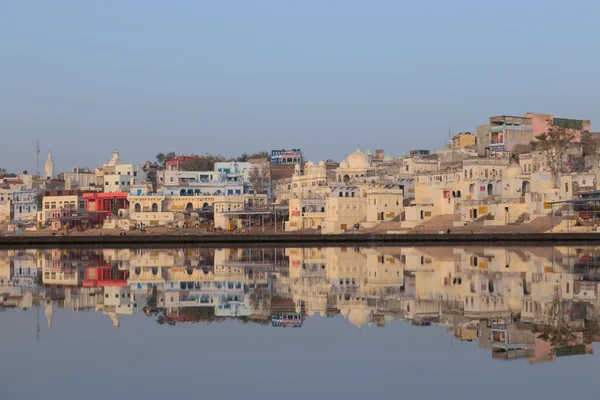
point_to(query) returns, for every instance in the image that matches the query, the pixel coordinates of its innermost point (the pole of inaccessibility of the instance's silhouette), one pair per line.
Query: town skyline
(87, 78)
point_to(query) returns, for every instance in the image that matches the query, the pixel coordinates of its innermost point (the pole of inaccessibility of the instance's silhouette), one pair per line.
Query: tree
(589, 143)
(162, 158)
(260, 177)
(202, 163)
(554, 146)
(261, 155)
(116, 206)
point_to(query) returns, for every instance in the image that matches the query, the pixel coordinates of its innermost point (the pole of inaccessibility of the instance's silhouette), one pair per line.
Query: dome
(514, 170)
(358, 160)
(310, 164)
(388, 157)
(359, 317)
(344, 164)
(515, 305)
(115, 160)
(321, 163)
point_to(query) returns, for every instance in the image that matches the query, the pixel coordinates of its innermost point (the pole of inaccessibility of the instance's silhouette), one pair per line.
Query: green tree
(202, 163)
(116, 206)
(162, 158)
(554, 145)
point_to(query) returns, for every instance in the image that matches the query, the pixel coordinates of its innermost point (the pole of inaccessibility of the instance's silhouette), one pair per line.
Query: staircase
(437, 224)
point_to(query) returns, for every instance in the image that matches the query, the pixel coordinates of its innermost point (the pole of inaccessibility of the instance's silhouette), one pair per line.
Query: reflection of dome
(344, 164)
(116, 319)
(359, 317)
(358, 159)
(515, 305)
(345, 312)
(388, 157)
(514, 170)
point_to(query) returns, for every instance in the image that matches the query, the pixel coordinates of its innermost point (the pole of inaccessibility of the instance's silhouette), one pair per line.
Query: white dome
(321, 163)
(344, 164)
(310, 164)
(358, 160)
(514, 170)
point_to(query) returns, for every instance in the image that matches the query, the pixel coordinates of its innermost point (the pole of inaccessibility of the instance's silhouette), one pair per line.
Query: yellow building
(463, 140)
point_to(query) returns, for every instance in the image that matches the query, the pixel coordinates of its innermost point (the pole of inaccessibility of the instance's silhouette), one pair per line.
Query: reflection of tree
(260, 299)
(559, 333)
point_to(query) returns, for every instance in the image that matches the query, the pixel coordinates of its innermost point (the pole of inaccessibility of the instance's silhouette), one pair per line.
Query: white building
(118, 176)
(25, 205)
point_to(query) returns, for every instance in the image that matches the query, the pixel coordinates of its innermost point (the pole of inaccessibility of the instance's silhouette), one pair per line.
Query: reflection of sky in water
(83, 356)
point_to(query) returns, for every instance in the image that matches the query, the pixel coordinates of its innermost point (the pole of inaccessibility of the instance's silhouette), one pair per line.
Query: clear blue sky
(86, 77)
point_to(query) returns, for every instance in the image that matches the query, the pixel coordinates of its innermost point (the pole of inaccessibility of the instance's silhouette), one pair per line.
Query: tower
(37, 157)
(49, 168)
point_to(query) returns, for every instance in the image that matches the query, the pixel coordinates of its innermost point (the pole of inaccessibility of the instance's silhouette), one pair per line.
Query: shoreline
(300, 240)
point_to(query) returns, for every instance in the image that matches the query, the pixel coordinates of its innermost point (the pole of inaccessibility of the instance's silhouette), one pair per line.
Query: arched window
(341, 194)
(137, 208)
(189, 206)
(465, 174)
(486, 173)
(471, 188)
(407, 168)
(471, 173)
(490, 189)
(154, 207)
(352, 194)
(458, 193)
(303, 209)
(346, 194)
(197, 192)
(182, 193)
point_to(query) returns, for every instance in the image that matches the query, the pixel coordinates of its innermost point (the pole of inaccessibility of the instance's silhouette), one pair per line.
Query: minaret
(49, 167)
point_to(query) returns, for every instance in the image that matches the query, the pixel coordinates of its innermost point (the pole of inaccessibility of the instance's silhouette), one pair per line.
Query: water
(417, 322)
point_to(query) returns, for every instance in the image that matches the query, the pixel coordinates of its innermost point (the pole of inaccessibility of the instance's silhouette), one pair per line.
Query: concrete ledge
(296, 239)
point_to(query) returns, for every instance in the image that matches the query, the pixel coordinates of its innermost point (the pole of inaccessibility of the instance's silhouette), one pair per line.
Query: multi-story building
(463, 140)
(25, 205)
(118, 176)
(286, 157)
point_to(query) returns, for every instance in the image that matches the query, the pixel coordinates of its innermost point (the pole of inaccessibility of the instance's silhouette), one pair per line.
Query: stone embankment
(376, 239)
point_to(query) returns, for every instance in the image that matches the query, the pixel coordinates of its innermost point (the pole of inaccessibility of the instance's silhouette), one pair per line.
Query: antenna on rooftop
(37, 156)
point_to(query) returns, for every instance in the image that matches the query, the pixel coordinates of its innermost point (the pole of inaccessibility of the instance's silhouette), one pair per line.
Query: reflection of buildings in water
(472, 291)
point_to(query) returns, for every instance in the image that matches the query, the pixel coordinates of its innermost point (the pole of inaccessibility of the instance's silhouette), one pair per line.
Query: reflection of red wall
(95, 277)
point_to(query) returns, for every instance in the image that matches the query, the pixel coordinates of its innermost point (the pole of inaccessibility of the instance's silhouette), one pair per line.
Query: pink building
(505, 131)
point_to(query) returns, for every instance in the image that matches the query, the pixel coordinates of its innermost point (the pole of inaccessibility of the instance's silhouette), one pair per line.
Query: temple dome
(344, 164)
(514, 170)
(388, 157)
(310, 164)
(115, 160)
(358, 160)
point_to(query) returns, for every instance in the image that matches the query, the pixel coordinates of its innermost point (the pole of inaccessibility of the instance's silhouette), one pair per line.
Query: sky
(83, 356)
(86, 77)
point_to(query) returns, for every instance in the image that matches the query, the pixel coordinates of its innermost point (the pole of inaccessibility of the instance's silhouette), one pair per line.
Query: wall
(153, 218)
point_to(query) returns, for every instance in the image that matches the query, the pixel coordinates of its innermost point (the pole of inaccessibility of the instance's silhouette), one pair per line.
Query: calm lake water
(416, 322)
